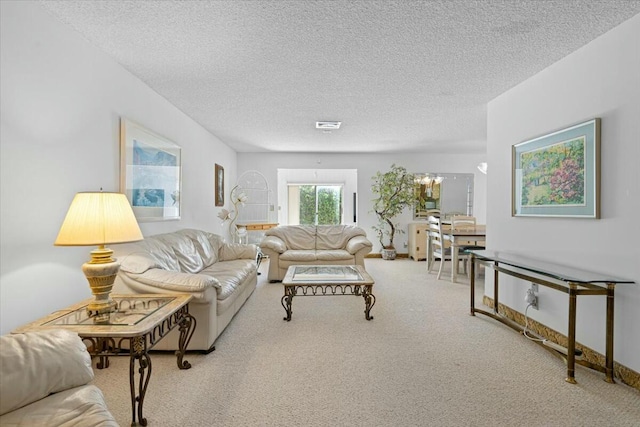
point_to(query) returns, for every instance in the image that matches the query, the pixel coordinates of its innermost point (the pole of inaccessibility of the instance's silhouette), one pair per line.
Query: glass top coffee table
(328, 280)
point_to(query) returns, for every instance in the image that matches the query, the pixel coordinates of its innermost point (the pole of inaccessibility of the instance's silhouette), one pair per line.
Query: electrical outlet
(531, 298)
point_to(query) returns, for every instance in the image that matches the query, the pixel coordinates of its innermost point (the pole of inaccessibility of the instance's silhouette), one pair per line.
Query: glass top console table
(139, 322)
(572, 281)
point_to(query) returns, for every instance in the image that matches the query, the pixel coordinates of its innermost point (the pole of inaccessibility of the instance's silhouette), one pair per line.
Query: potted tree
(395, 191)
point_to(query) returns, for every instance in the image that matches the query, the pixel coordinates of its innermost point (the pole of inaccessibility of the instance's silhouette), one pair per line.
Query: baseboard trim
(621, 372)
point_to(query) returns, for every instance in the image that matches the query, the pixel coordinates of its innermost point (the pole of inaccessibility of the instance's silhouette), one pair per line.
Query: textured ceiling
(402, 76)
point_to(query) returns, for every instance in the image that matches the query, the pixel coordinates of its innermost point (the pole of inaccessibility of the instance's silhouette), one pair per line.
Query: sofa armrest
(36, 364)
(274, 243)
(233, 251)
(175, 281)
(358, 243)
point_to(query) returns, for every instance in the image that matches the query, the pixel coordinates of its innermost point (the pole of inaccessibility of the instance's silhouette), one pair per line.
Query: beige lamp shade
(98, 218)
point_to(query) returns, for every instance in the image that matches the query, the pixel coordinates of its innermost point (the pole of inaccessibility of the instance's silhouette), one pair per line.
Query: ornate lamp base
(101, 273)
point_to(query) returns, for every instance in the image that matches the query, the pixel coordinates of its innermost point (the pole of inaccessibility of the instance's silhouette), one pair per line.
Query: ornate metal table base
(291, 290)
(134, 328)
(138, 349)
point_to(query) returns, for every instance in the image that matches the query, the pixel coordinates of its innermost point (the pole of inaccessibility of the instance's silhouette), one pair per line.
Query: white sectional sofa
(220, 276)
(288, 245)
(44, 381)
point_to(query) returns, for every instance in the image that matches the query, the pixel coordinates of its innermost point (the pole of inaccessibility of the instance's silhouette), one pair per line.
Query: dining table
(469, 236)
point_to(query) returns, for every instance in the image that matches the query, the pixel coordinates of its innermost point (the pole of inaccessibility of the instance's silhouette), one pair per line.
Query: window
(339, 185)
(315, 204)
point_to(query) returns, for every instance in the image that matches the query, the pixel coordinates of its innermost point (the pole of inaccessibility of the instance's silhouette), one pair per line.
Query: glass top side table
(130, 310)
(139, 323)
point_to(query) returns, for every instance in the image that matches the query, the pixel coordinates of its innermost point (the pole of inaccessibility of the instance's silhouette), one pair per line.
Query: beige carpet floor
(422, 361)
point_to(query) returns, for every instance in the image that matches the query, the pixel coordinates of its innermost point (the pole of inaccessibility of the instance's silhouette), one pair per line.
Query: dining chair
(465, 222)
(461, 222)
(449, 215)
(440, 248)
(427, 213)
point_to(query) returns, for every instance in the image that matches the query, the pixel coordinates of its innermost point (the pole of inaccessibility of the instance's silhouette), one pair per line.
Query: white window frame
(348, 178)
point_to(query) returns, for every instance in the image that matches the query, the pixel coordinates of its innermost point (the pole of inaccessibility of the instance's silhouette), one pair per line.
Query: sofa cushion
(161, 252)
(333, 255)
(296, 236)
(36, 364)
(185, 251)
(230, 274)
(175, 280)
(300, 255)
(82, 406)
(137, 262)
(336, 236)
(207, 244)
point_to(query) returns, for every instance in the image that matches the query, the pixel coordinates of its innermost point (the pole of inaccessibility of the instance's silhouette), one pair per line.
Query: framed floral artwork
(558, 174)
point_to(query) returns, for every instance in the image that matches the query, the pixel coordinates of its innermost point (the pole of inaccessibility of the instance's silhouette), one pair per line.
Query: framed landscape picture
(558, 174)
(219, 185)
(150, 172)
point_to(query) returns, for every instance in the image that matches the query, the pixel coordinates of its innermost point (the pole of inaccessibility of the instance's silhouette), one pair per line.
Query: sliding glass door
(315, 204)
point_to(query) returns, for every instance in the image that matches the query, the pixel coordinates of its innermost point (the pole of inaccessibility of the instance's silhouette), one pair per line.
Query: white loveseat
(288, 245)
(44, 381)
(220, 276)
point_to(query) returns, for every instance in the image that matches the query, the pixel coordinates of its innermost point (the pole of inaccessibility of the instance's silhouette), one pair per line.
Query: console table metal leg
(609, 344)
(140, 355)
(571, 344)
(187, 326)
(286, 302)
(495, 289)
(472, 285)
(369, 301)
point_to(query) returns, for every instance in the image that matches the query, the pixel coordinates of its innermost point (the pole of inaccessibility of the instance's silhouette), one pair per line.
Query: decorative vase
(388, 254)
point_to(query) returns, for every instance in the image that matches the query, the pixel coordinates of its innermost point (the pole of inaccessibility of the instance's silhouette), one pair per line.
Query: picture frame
(558, 174)
(219, 185)
(150, 172)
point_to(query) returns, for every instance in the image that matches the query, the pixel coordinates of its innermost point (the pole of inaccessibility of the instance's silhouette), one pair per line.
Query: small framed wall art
(219, 185)
(558, 174)
(150, 172)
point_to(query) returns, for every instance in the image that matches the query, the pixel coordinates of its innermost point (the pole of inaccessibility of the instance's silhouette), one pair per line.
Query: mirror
(444, 193)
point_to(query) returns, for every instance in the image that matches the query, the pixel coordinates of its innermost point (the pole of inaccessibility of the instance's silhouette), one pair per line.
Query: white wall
(600, 80)
(61, 102)
(367, 165)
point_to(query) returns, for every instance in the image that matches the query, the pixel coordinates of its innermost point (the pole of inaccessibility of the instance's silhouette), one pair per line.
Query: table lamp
(98, 219)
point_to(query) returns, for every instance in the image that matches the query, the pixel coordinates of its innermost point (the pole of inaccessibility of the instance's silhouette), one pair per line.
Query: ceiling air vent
(328, 125)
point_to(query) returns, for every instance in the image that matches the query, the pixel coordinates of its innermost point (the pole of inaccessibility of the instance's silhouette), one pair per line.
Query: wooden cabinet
(258, 227)
(418, 240)
(255, 231)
